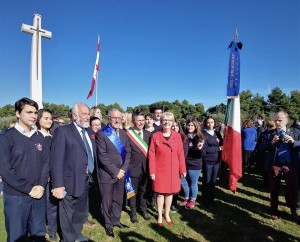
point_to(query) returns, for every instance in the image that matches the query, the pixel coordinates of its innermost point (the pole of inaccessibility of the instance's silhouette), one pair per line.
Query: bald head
(281, 120)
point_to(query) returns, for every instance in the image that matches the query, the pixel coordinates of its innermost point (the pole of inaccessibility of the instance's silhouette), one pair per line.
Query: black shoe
(121, 226)
(133, 217)
(145, 215)
(110, 232)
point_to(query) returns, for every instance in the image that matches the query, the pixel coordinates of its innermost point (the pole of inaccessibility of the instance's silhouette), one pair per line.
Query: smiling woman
(166, 165)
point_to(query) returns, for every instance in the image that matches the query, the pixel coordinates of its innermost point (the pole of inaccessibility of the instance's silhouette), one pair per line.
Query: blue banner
(233, 86)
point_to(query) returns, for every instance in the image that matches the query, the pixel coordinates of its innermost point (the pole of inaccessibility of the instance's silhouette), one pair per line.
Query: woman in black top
(211, 160)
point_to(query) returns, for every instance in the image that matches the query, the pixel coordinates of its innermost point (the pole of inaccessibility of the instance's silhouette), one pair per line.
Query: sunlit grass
(243, 216)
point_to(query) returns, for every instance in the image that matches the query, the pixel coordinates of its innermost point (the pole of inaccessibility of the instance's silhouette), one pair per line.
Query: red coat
(166, 161)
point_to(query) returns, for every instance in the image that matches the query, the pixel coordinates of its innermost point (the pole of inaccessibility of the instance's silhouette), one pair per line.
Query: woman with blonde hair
(166, 166)
(127, 120)
(96, 112)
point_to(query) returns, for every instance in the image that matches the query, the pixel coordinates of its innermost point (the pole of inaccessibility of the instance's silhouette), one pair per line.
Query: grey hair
(112, 110)
(75, 107)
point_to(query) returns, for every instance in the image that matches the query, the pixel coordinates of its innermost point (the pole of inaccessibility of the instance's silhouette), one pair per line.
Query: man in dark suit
(71, 166)
(282, 158)
(113, 151)
(138, 167)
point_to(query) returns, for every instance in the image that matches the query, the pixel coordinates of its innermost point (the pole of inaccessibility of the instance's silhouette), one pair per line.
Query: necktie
(140, 133)
(89, 152)
(117, 132)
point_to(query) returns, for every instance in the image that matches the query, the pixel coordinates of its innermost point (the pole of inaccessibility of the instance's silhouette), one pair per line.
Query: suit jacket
(271, 149)
(109, 159)
(69, 159)
(138, 161)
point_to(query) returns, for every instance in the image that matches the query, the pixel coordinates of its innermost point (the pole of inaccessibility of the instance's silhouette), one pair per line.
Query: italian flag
(232, 145)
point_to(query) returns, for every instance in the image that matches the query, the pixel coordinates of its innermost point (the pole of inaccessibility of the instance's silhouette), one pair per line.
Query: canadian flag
(96, 70)
(232, 145)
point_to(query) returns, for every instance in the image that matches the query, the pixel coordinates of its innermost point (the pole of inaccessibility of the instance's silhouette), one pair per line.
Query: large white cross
(36, 57)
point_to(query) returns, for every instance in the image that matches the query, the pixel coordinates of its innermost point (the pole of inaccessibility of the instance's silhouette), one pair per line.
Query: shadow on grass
(234, 218)
(234, 224)
(133, 236)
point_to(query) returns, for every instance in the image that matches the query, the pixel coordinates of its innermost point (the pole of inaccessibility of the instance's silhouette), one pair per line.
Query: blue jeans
(190, 184)
(24, 214)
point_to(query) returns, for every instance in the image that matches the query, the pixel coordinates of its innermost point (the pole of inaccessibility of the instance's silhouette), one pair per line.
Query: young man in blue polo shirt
(24, 168)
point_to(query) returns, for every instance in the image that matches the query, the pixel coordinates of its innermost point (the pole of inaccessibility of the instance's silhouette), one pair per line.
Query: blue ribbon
(108, 131)
(233, 86)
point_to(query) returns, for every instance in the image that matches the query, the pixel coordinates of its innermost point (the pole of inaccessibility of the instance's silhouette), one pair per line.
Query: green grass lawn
(243, 216)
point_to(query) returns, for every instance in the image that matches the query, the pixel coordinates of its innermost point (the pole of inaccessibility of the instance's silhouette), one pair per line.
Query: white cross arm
(31, 30)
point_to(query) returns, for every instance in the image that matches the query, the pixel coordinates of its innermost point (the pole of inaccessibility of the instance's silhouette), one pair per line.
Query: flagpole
(97, 77)
(96, 90)
(235, 35)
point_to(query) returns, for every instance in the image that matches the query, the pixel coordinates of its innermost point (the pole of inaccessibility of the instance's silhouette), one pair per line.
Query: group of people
(272, 149)
(136, 158)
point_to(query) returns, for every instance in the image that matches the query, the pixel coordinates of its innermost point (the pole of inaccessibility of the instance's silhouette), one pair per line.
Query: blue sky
(151, 50)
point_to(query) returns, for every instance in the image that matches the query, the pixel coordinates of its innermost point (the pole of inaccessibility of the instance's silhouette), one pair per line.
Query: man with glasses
(281, 160)
(113, 152)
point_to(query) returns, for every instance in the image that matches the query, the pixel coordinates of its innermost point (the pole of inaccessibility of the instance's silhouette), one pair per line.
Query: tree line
(251, 106)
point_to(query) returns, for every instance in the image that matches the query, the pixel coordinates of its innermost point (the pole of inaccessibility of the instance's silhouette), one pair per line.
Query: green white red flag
(232, 145)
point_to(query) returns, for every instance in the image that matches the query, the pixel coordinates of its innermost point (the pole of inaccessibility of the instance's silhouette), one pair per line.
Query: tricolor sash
(137, 139)
(108, 131)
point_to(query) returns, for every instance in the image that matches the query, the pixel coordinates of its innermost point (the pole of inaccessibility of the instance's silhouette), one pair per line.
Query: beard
(84, 124)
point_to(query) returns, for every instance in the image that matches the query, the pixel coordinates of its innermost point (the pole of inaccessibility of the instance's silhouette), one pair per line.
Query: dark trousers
(298, 197)
(247, 160)
(112, 201)
(290, 177)
(23, 215)
(210, 173)
(72, 212)
(140, 185)
(52, 210)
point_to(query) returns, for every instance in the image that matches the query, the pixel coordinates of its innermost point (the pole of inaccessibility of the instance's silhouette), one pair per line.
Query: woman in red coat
(166, 165)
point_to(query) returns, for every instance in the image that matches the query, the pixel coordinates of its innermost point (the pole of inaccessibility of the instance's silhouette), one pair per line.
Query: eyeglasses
(115, 118)
(167, 120)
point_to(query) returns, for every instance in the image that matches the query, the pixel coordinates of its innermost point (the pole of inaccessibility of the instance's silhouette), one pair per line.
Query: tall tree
(278, 100)
(294, 109)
